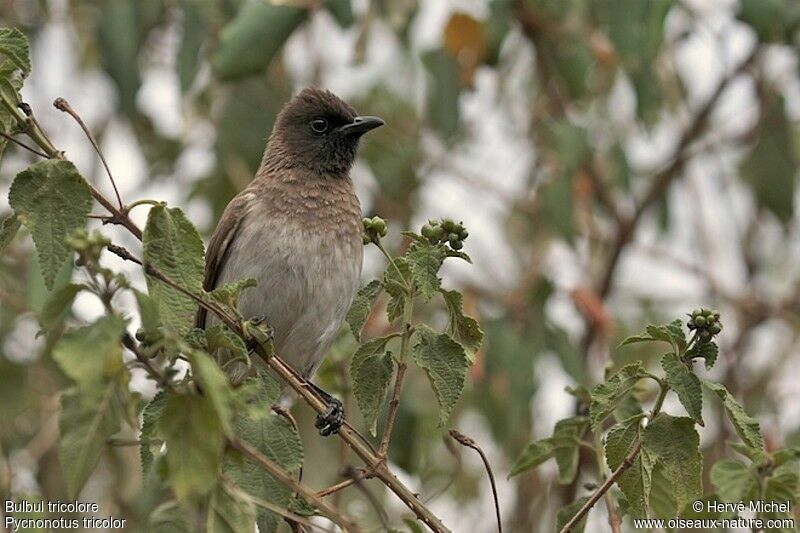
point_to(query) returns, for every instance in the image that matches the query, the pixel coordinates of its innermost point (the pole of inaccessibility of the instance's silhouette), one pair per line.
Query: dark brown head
(319, 131)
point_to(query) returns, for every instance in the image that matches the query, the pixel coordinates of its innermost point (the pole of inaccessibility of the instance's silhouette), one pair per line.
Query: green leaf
(443, 90)
(619, 442)
(229, 511)
(169, 517)
(394, 283)
(674, 445)
(445, 363)
(148, 311)
(229, 293)
(214, 385)
(746, 426)
(413, 525)
(608, 395)
(424, 261)
(52, 200)
(464, 329)
(257, 26)
(8, 229)
(58, 305)
(88, 419)
(371, 370)
(671, 333)
(221, 338)
(568, 511)
(532, 456)
(734, 482)
(149, 437)
(685, 384)
(14, 46)
(566, 447)
(172, 244)
(92, 354)
(194, 437)
(770, 169)
(274, 437)
(705, 350)
(362, 305)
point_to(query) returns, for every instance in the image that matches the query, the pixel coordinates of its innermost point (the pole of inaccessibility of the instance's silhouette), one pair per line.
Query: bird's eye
(319, 125)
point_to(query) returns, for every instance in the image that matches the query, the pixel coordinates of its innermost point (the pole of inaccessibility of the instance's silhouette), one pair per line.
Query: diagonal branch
(470, 443)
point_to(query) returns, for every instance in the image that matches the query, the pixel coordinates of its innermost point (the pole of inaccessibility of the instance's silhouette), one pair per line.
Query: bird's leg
(332, 419)
(259, 331)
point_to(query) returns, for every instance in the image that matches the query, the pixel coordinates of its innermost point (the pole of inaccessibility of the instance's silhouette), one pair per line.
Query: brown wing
(217, 252)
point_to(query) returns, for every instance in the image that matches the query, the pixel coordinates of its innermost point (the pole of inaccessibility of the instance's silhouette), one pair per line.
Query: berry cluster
(88, 245)
(447, 230)
(706, 322)
(374, 229)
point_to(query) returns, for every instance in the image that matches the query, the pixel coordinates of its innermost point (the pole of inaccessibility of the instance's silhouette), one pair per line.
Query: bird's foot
(329, 422)
(259, 331)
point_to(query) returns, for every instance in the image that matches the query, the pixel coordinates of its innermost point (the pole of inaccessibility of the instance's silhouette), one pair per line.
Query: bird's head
(317, 130)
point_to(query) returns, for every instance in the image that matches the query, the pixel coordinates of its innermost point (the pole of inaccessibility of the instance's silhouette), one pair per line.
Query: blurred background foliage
(616, 162)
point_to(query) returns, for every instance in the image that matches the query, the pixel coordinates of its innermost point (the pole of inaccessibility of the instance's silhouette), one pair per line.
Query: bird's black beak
(361, 125)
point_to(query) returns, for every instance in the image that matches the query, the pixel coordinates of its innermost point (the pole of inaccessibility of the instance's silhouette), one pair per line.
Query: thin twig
(62, 105)
(394, 404)
(470, 443)
(626, 463)
(335, 488)
(278, 473)
(23, 145)
(357, 476)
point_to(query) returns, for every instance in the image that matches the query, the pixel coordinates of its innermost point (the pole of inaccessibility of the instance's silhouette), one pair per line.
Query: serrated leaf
(424, 261)
(8, 229)
(532, 456)
(221, 338)
(88, 419)
(685, 384)
(371, 370)
(566, 448)
(770, 169)
(58, 304)
(706, 350)
(229, 293)
(257, 26)
(464, 329)
(150, 440)
(445, 363)
(14, 46)
(52, 200)
(672, 333)
(362, 305)
(620, 440)
(215, 386)
(733, 481)
(275, 438)
(568, 511)
(194, 438)
(606, 396)
(673, 443)
(229, 511)
(746, 426)
(92, 354)
(171, 244)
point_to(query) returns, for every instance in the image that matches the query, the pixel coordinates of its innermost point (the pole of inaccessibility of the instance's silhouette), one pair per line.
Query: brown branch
(62, 105)
(278, 473)
(626, 463)
(394, 404)
(335, 488)
(23, 145)
(470, 443)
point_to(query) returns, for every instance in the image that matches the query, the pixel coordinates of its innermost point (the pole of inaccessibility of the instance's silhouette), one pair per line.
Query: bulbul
(297, 230)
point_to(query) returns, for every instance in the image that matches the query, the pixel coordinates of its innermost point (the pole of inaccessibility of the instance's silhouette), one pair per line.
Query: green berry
(367, 223)
(700, 321)
(428, 232)
(440, 233)
(456, 245)
(697, 312)
(714, 329)
(448, 225)
(710, 320)
(463, 234)
(453, 237)
(379, 225)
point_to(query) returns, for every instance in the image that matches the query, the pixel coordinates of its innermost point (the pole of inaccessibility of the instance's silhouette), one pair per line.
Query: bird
(297, 229)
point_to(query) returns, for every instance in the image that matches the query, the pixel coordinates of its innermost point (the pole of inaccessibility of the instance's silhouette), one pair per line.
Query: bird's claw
(332, 419)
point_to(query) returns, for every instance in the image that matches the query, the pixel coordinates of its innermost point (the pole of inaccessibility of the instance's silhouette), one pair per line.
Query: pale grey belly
(306, 283)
